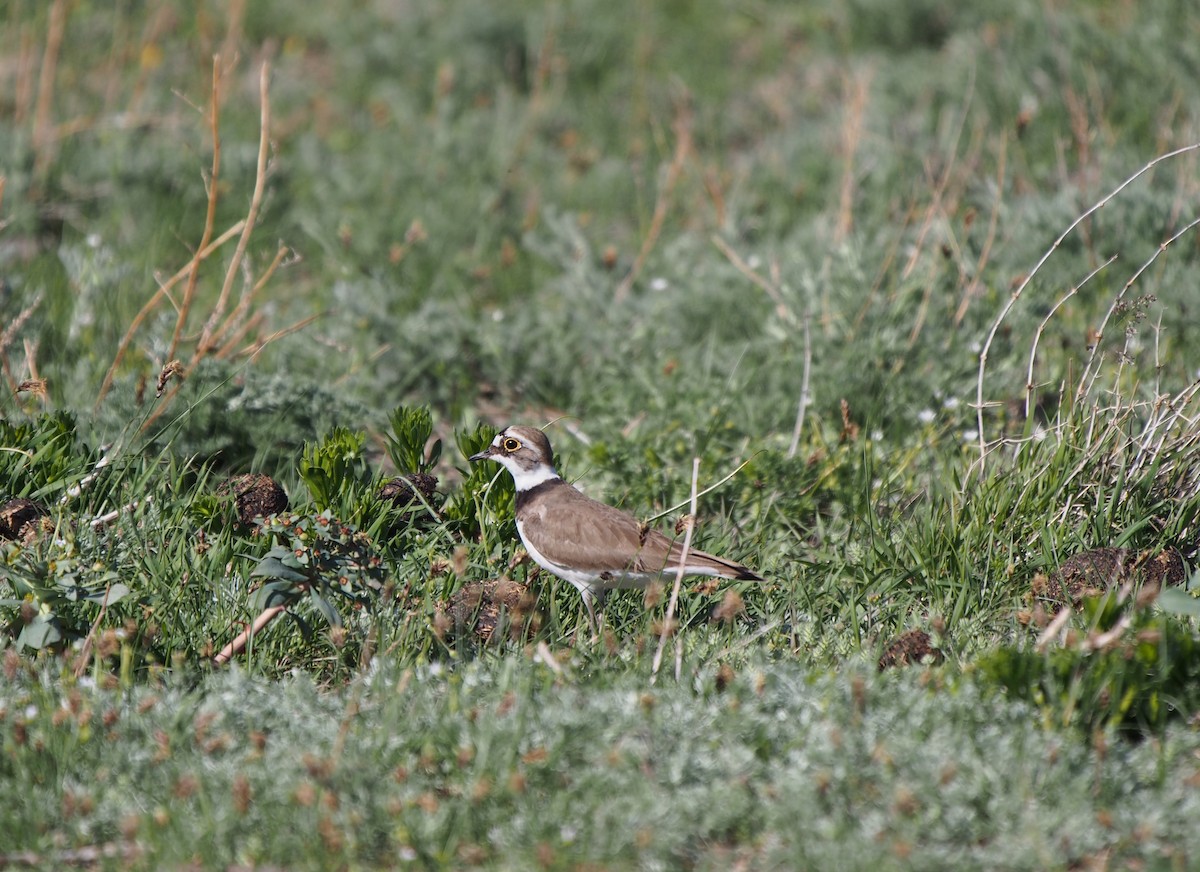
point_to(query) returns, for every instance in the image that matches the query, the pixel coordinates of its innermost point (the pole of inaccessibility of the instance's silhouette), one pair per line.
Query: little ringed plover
(592, 545)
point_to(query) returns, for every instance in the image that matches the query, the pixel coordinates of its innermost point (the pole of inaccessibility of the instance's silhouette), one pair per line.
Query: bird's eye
(511, 444)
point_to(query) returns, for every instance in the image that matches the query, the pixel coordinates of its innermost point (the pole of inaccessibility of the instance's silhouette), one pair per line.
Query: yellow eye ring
(510, 444)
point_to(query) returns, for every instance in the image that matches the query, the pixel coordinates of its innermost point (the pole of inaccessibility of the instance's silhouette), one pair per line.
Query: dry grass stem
(43, 127)
(10, 333)
(980, 405)
(1121, 295)
(1030, 385)
(256, 348)
(243, 638)
(224, 330)
(189, 293)
(935, 207)
(85, 652)
(802, 403)
(260, 177)
(707, 490)
(237, 325)
(852, 127)
(682, 128)
(163, 290)
(971, 290)
(109, 517)
(688, 527)
(772, 290)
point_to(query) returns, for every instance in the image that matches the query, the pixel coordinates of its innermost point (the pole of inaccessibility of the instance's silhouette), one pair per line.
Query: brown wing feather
(588, 535)
(591, 535)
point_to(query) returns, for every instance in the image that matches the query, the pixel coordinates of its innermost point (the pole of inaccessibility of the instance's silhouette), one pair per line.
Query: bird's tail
(703, 563)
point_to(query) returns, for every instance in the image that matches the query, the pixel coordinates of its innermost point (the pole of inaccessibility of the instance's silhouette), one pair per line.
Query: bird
(594, 546)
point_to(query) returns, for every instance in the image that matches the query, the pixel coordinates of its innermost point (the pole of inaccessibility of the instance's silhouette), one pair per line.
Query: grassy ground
(833, 251)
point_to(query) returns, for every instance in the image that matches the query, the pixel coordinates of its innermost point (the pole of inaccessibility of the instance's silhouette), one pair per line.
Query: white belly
(586, 582)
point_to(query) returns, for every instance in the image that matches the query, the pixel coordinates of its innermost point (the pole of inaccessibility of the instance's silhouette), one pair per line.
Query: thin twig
(189, 293)
(109, 517)
(254, 349)
(682, 127)
(802, 406)
(1016, 294)
(782, 309)
(85, 652)
(214, 329)
(244, 637)
(689, 526)
(10, 333)
(1037, 338)
(972, 289)
(238, 315)
(707, 490)
(43, 129)
(852, 127)
(239, 336)
(150, 304)
(260, 178)
(1124, 290)
(942, 183)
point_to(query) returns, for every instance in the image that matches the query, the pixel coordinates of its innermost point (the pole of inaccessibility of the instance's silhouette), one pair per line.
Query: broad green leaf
(41, 631)
(326, 609)
(112, 594)
(271, 594)
(273, 567)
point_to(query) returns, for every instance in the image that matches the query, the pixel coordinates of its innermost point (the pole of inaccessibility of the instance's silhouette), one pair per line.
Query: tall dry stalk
(1014, 298)
(226, 327)
(689, 525)
(671, 174)
(189, 292)
(43, 124)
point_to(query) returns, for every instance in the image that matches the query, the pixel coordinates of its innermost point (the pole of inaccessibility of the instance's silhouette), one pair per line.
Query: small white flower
(31, 712)
(659, 284)
(754, 261)
(970, 435)
(950, 403)
(926, 416)
(876, 435)
(498, 315)
(1039, 433)
(567, 833)
(93, 240)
